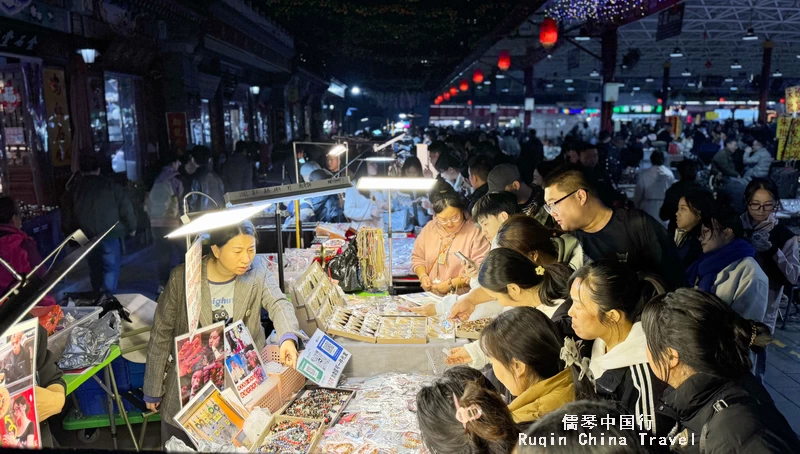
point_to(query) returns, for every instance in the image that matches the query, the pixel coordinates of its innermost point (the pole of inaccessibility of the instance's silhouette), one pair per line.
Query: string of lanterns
(548, 36)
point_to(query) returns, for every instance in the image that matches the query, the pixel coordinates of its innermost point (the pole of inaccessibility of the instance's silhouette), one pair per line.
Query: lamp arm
(186, 197)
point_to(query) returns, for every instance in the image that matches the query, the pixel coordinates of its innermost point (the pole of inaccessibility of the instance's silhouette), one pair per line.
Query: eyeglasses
(551, 208)
(454, 220)
(768, 207)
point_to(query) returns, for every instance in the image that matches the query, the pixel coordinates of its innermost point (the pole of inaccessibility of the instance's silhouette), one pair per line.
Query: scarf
(759, 233)
(703, 272)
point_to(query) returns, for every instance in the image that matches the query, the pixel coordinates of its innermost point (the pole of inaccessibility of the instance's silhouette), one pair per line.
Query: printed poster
(323, 360)
(243, 364)
(20, 427)
(210, 418)
(200, 360)
(59, 133)
(194, 272)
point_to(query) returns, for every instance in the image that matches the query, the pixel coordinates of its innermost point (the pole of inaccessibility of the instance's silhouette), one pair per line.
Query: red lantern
(504, 60)
(447, 96)
(469, 102)
(721, 99)
(438, 100)
(783, 100)
(453, 91)
(477, 76)
(548, 33)
(463, 85)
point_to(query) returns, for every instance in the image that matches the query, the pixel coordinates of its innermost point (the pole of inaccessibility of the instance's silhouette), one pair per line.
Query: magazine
(243, 364)
(200, 360)
(20, 426)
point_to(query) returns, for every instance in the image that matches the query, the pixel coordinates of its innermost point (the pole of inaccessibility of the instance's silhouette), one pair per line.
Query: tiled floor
(782, 378)
(783, 371)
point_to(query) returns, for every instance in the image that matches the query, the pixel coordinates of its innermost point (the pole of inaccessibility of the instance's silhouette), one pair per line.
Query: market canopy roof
(392, 45)
(711, 42)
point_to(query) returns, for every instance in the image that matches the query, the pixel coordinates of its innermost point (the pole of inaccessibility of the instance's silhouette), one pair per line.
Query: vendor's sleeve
(162, 335)
(46, 364)
(280, 310)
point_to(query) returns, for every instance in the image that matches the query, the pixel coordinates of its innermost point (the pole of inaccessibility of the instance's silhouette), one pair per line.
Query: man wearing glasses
(630, 236)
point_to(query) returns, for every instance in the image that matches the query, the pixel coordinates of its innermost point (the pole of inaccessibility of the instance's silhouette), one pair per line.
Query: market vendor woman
(235, 281)
(434, 259)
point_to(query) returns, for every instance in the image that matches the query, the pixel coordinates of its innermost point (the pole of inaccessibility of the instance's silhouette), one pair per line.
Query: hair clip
(540, 270)
(754, 332)
(465, 415)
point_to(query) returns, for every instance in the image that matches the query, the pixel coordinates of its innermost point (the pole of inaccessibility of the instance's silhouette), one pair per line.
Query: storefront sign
(12, 7)
(178, 133)
(670, 22)
(793, 99)
(59, 134)
(788, 135)
(194, 272)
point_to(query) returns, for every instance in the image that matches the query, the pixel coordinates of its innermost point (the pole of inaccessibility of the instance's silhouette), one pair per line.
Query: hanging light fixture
(570, 88)
(89, 55)
(453, 91)
(594, 73)
(567, 81)
(447, 96)
(777, 73)
(729, 79)
(548, 85)
(649, 79)
(477, 76)
(736, 65)
(750, 35)
(463, 85)
(504, 60)
(438, 100)
(686, 73)
(255, 90)
(583, 35)
(548, 33)
(676, 53)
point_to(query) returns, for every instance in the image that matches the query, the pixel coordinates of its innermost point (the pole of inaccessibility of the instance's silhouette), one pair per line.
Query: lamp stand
(391, 252)
(280, 245)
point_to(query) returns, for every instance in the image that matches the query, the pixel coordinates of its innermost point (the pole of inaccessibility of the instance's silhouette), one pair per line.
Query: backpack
(163, 201)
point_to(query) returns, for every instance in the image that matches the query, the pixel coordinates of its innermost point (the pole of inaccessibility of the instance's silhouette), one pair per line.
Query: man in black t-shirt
(629, 236)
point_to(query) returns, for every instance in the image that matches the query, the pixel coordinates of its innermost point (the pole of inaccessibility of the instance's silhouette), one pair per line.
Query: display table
(374, 359)
(77, 422)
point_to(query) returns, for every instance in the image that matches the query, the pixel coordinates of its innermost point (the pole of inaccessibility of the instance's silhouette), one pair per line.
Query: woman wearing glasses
(728, 267)
(776, 246)
(451, 230)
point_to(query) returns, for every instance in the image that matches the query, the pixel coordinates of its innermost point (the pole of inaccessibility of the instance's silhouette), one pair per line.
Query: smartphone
(464, 258)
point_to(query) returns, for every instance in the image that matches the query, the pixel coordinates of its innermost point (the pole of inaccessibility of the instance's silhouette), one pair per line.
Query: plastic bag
(97, 299)
(89, 344)
(344, 268)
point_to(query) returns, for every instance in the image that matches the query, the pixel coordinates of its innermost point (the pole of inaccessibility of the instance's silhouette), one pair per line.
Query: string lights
(597, 10)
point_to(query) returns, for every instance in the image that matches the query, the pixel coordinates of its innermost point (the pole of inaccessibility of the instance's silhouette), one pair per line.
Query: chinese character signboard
(59, 134)
(177, 131)
(788, 135)
(793, 99)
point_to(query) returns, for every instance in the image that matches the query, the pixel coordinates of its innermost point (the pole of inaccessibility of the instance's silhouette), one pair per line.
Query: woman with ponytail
(461, 413)
(607, 298)
(513, 280)
(701, 347)
(526, 356)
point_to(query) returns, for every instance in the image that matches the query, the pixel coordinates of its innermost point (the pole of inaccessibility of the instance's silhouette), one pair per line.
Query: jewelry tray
(279, 418)
(306, 388)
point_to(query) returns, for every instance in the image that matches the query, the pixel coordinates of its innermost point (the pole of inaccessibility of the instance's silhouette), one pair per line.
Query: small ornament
(540, 270)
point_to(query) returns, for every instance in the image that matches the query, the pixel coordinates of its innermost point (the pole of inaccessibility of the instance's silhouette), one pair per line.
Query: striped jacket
(623, 375)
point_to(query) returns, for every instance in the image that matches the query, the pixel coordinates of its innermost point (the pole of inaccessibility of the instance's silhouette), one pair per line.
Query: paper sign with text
(323, 360)
(20, 426)
(194, 272)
